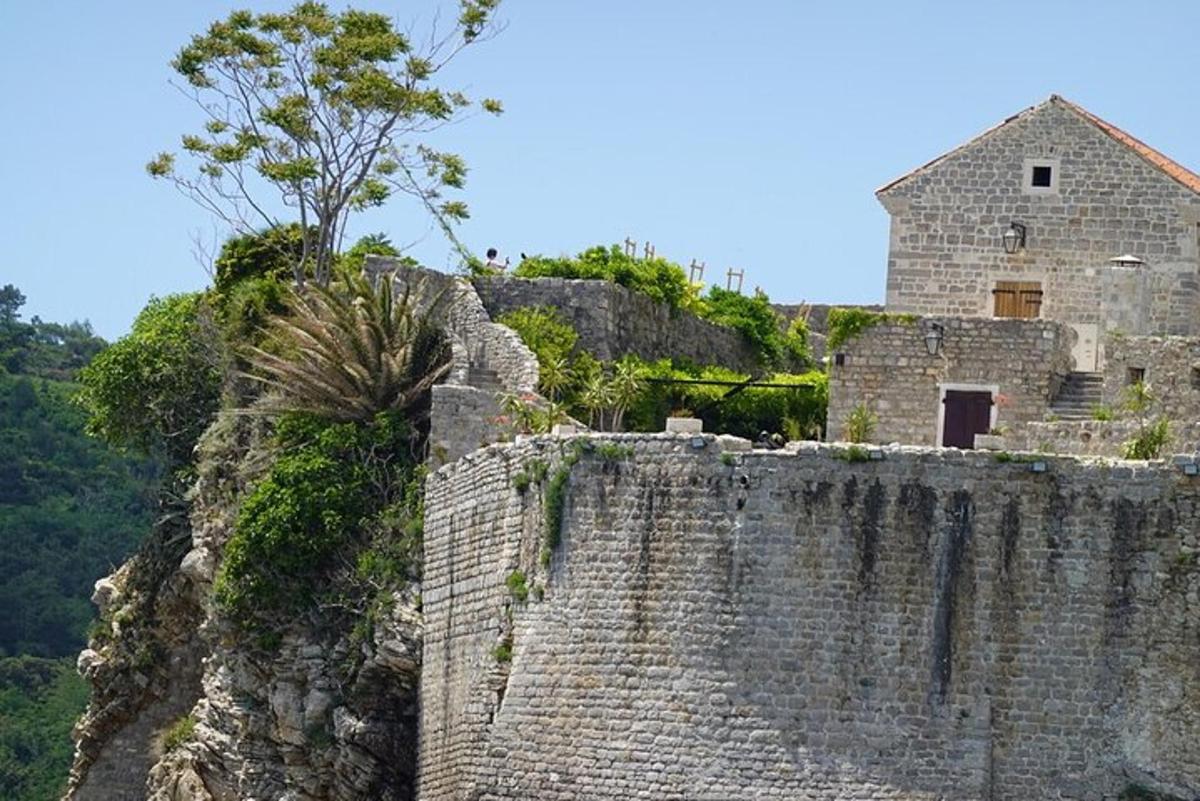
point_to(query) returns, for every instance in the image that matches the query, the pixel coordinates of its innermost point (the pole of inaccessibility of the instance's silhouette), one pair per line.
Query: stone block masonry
(888, 369)
(613, 321)
(945, 254)
(933, 625)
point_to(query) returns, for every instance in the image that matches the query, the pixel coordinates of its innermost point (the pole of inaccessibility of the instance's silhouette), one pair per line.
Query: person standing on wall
(493, 261)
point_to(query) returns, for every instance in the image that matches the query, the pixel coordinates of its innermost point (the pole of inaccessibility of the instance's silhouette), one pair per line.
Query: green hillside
(71, 510)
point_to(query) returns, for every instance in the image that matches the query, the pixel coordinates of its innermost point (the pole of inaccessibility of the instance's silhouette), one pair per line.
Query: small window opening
(1042, 175)
(839, 359)
(1196, 378)
(1135, 375)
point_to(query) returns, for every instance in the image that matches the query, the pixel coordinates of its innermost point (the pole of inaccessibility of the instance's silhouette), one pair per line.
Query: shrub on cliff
(319, 499)
(158, 388)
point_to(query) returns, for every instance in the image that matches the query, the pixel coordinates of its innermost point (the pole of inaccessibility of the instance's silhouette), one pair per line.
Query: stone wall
(888, 369)
(798, 625)
(613, 321)
(1171, 368)
(489, 360)
(945, 252)
(1095, 437)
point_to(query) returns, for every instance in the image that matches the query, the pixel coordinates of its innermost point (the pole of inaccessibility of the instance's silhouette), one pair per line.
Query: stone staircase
(1079, 395)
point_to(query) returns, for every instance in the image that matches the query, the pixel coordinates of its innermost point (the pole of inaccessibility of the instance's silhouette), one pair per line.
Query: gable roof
(1168, 167)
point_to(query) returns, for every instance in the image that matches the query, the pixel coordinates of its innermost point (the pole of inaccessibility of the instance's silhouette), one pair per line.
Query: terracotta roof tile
(1171, 168)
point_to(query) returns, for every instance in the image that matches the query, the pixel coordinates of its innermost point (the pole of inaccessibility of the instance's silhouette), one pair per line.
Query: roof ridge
(1165, 164)
(1171, 168)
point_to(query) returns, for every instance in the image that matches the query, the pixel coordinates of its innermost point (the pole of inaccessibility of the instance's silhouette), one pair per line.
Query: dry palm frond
(347, 352)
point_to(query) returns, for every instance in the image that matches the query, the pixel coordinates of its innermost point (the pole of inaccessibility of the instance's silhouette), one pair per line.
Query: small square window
(1042, 176)
(1135, 375)
(1196, 378)
(839, 359)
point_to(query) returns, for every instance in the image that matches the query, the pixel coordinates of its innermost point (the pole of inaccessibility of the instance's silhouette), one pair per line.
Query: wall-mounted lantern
(1128, 262)
(1014, 238)
(934, 334)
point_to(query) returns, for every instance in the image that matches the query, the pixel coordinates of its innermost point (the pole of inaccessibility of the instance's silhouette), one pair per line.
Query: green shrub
(328, 481)
(746, 413)
(860, 424)
(157, 389)
(543, 330)
(517, 586)
(657, 278)
(180, 732)
(613, 452)
(1102, 413)
(845, 324)
(265, 254)
(503, 652)
(755, 319)
(1149, 441)
(855, 453)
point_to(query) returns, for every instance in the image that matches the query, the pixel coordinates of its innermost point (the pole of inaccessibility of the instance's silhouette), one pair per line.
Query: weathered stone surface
(945, 254)
(888, 368)
(794, 625)
(613, 321)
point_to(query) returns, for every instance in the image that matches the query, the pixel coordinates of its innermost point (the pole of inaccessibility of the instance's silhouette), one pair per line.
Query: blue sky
(747, 135)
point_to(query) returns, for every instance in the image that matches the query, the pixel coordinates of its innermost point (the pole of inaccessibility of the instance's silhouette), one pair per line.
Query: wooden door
(966, 414)
(1017, 299)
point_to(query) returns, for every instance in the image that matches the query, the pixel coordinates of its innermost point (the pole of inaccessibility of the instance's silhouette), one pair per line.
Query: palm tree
(347, 352)
(595, 397)
(623, 391)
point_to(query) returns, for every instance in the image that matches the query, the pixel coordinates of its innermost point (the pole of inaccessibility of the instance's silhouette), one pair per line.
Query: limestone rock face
(324, 715)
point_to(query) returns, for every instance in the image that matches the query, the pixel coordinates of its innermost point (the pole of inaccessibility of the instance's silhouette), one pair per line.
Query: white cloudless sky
(748, 135)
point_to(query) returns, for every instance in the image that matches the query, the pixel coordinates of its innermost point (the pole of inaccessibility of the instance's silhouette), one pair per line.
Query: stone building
(1033, 217)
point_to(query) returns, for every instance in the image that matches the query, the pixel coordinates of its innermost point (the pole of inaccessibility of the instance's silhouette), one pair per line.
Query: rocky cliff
(186, 708)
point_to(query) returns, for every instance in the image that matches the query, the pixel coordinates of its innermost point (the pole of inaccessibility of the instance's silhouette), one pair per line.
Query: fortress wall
(613, 321)
(789, 624)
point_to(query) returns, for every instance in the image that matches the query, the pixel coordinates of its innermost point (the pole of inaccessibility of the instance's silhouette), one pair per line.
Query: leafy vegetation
(70, 508)
(178, 733)
(544, 331)
(758, 322)
(326, 112)
(517, 585)
(845, 324)
(1152, 435)
(666, 282)
(656, 278)
(158, 388)
(349, 352)
(41, 349)
(328, 485)
(39, 702)
(860, 424)
(797, 413)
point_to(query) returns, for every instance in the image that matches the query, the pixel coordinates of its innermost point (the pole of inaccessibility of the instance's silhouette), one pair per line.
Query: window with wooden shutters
(1017, 299)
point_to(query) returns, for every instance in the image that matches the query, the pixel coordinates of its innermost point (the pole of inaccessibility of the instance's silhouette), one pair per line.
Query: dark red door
(967, 414)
